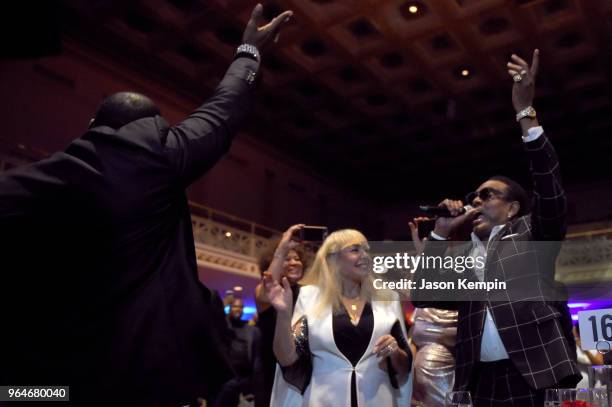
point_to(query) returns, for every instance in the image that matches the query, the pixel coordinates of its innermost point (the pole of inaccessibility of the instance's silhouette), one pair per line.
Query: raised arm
(286, 243)
(280, 296)
(198, 142)
(549, 206)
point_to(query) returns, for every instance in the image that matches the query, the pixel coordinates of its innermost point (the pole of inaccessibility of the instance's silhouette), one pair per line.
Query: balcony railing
(586, 256)
(229, 232)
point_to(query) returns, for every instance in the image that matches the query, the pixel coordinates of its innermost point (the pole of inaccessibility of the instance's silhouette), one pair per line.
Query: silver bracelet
(250, 50)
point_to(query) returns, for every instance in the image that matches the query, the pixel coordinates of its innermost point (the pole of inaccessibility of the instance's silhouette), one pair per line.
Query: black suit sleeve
(549, 206)
(199, 141)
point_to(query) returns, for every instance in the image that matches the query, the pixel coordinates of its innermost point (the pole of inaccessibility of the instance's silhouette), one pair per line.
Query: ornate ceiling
(391, 98)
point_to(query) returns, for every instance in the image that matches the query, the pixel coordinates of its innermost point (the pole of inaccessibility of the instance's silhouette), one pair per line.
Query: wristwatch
(529, 111)
(249, 51)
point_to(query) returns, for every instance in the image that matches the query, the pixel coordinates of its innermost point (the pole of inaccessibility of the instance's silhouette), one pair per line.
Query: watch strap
(529, 111)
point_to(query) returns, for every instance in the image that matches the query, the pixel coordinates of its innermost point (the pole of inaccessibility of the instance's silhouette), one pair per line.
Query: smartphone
(425, 227)
(312, 234)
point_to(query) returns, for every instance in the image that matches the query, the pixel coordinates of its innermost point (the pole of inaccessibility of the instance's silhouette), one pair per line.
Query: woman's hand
(386, 346)
(419, 244)
(288, 242)
(280, 296)
(262, 301)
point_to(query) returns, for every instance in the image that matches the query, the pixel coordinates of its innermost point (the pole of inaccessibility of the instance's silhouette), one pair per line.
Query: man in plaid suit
(512, 346)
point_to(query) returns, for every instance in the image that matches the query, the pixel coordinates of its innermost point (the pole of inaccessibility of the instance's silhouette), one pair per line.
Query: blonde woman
(339, 346)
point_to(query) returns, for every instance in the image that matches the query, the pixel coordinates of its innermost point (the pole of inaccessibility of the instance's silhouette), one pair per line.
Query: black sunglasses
(484, 194)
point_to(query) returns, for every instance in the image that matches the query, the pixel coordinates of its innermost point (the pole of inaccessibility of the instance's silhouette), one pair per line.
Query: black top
(353, 340)
(266, 322)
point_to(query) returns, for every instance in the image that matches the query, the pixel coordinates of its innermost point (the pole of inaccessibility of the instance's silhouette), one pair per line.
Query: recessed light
(237, 288)
(412, 9)
(465, 72)
(228, 234)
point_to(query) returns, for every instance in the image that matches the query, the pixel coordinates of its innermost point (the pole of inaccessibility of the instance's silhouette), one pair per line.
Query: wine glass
(458, 399)
(599, 397)
(579, 394)
(552, 398)
(567, 395)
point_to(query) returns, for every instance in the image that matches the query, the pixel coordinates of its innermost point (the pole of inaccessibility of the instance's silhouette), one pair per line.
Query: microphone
(441, 211)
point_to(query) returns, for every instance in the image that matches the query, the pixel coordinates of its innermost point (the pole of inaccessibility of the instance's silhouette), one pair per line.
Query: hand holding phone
(311, 233)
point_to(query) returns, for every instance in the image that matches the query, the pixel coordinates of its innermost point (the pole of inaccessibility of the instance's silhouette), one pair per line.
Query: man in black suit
(99, 288)
(510, 347)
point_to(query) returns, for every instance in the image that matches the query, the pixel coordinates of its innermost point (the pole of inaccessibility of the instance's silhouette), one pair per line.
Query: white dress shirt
(491, 346)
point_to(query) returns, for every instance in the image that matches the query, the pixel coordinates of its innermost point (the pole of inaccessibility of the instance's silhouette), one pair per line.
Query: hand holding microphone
(453, 215)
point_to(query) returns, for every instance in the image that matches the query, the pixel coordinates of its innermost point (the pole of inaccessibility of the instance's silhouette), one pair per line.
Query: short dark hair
(121, 108)
(515, 192)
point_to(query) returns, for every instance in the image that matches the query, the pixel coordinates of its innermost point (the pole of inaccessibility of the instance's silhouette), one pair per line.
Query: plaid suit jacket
(533, 328)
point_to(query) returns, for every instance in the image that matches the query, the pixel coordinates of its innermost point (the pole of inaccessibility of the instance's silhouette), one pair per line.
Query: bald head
(121, 108)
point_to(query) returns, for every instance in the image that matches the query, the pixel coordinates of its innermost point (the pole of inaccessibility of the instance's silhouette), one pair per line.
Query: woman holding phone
(286, 259)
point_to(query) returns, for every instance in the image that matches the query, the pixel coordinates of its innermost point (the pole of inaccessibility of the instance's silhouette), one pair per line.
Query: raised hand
(288, 241)
(446, 226)
(524, 80)
(260, 34)
(280, 296)
(419, 244)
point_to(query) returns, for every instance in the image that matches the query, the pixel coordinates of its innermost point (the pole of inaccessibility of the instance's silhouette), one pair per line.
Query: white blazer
(330, 385)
